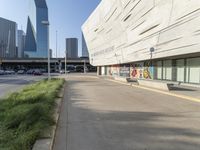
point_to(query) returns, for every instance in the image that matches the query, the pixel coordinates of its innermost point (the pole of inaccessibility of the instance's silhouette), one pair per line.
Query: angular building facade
(36, 44)
(7, 38)
(72, 47)
(146, 39)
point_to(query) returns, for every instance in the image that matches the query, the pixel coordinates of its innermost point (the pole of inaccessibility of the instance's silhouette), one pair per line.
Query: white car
(21, 72)
(2, 72)
(63, 71)
(9, 72)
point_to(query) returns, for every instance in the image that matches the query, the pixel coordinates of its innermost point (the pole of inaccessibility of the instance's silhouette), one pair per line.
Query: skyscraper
(20, 43)
(72, 47)
(7, 38)
(84, 47)
(36, 44)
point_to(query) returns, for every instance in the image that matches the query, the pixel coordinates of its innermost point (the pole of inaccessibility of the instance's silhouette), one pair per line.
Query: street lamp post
(65, 62)
(56, 44)
(46, 23)
(152, 49)
(56, 66)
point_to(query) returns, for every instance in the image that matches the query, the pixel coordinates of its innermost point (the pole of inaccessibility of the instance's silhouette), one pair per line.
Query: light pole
(56, 67)
(65, 62)
(46, 23)
(56, 44)
(152, 49)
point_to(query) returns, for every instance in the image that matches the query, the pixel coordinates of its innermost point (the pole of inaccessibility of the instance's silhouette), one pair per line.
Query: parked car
(37, 72)
(63, 71)
(71, 68)
(2, 72)
(20, 72)
(9, 72)
(43, 70)
(80, 68)
(31, 71)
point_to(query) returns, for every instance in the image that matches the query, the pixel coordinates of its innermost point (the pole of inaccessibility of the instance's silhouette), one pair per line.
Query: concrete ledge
(156, 84)
(121, 79)
(43, 144)
(191, 85)
(47, 141)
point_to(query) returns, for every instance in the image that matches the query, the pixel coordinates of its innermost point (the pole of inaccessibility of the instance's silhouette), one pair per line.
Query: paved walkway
(102, 115)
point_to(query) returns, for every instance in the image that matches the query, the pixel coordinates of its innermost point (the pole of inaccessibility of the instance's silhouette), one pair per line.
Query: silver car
(2, 72)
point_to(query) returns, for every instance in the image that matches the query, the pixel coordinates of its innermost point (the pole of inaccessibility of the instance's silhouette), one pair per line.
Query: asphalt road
(13, 83)
(101, 115)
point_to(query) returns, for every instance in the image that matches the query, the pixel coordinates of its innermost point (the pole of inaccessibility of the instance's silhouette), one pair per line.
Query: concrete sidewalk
(101, 115)
(183, 91)
(187, 91)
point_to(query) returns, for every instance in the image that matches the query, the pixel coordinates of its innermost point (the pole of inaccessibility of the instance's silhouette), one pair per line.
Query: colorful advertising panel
(141, 71)
(136, 71)
(148, 71)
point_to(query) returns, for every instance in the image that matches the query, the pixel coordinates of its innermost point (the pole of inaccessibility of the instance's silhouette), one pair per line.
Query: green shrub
(25, 115)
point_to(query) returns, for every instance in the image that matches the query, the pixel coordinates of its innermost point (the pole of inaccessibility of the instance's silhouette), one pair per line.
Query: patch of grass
(25, 115)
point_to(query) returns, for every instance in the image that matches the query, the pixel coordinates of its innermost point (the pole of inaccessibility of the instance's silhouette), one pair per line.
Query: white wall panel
(132, 27)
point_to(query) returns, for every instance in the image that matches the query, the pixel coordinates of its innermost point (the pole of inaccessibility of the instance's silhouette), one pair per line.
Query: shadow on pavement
(91, 127)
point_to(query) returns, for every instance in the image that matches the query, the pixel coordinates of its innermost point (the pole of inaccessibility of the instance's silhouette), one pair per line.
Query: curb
(47, 143)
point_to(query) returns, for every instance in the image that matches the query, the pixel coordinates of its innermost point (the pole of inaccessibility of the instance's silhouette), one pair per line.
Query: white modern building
(146, 39)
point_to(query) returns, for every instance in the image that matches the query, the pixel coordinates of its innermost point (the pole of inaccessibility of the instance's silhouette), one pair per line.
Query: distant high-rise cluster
(16, 43)
(36, 44)
(8, 38)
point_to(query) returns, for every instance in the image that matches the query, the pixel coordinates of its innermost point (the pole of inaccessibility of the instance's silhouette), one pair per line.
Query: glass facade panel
(159, 70)
(36, 43)
(180, 70)
(167, 70)
(193, 70)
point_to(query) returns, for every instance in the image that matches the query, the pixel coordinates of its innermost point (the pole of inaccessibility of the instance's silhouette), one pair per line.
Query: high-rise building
(51, 53)
(84, 47)
(7, 38)
(20, 43)
(72, 47)
(36, 44)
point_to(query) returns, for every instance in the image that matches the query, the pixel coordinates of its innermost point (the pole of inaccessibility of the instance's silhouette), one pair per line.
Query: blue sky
(66, 16)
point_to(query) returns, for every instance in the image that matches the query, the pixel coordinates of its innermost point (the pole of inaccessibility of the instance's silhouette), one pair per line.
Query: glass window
(180, 70)
(167, 70)
(159, 70)
(193, 70)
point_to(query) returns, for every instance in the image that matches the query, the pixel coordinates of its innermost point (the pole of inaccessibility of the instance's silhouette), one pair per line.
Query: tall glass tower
(37, 33)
